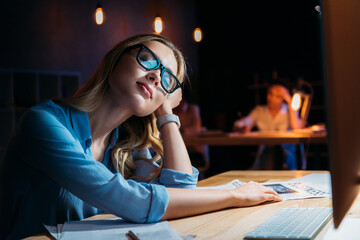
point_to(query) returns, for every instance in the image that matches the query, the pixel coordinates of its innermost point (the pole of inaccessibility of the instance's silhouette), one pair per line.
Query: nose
(154, 76)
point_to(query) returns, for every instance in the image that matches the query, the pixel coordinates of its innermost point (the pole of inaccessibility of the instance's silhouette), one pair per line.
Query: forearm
(293, 115)
(176, 156)
(187, 202)
(294, 119)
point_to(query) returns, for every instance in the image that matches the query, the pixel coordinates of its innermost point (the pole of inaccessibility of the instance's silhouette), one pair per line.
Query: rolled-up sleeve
(168, 177)
(175, 179)
(52, 149)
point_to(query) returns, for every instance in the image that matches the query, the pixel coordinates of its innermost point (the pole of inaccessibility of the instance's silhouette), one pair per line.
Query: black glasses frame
(158, 65)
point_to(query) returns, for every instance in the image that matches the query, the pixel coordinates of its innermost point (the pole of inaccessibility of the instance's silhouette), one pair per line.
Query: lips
(145, 88)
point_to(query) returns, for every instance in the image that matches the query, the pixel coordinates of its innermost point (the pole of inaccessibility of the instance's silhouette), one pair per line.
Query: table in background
(297, 137)
(214, 138)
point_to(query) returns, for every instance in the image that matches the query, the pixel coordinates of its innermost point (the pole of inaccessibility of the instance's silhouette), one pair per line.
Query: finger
(178, 91)
(272, 197)
(272, 191)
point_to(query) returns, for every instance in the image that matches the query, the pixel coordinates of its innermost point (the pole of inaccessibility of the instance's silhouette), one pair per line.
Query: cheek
(122, 76)
(279, 99)
(116, 79)
(118, 76)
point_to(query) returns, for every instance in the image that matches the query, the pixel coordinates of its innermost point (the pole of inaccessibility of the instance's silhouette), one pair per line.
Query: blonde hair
(137, 133)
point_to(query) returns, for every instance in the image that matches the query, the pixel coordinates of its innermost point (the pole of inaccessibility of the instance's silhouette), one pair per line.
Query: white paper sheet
(319, 180)
(310, 186)
(113, 229)
(231, 185)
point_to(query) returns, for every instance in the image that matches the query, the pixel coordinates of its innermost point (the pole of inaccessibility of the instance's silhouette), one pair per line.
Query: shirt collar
(283, 110)
(81, 126)
(114, 137)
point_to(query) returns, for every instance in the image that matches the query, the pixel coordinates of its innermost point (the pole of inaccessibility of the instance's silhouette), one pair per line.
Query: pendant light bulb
(158, 25)
(198, 35)
(99, 15)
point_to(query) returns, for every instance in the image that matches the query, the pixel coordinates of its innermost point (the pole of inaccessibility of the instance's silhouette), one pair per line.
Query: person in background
(113, 147)
(277, 115)
(190, 118)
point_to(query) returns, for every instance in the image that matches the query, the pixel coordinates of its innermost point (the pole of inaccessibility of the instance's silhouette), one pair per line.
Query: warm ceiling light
(99, 15)
(198, 35)
(158, 25)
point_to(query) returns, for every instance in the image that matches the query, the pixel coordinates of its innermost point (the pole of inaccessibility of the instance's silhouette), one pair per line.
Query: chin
(142, 115)
(142, 107)
(143, 111)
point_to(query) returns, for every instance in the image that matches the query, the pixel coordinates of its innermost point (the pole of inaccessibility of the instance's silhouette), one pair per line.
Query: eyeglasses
(149, 61)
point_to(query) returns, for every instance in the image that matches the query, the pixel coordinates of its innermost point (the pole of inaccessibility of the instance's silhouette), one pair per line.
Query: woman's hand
(239, 126)
(172, 100)
(282, 92)
(286, 95)
(253, 193)
(243, 125)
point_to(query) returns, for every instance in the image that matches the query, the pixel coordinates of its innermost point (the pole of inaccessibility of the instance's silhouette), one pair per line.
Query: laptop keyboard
(292, 223)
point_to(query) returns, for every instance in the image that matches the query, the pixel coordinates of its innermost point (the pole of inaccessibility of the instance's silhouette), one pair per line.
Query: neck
(275, 109)
(105, 118)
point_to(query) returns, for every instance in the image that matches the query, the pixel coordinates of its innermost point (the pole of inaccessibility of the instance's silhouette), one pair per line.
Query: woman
(276, 115)
(114, 147)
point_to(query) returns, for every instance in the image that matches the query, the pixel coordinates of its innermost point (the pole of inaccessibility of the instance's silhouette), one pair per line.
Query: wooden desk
(254, 138)
(234, 223)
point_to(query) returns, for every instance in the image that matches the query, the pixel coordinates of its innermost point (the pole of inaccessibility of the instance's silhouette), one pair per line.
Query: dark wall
(62, 35)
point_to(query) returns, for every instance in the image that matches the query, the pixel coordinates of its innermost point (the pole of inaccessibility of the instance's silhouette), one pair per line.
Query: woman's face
(275, 96)
(137, 89)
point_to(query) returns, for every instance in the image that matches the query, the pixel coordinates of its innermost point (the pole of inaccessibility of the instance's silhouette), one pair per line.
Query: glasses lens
(147, 60)
(168, 81)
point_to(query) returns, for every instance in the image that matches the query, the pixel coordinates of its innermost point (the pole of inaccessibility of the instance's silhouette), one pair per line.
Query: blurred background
(50, 47)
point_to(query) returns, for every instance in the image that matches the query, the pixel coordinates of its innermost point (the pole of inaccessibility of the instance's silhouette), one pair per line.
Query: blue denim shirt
(49, 176)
